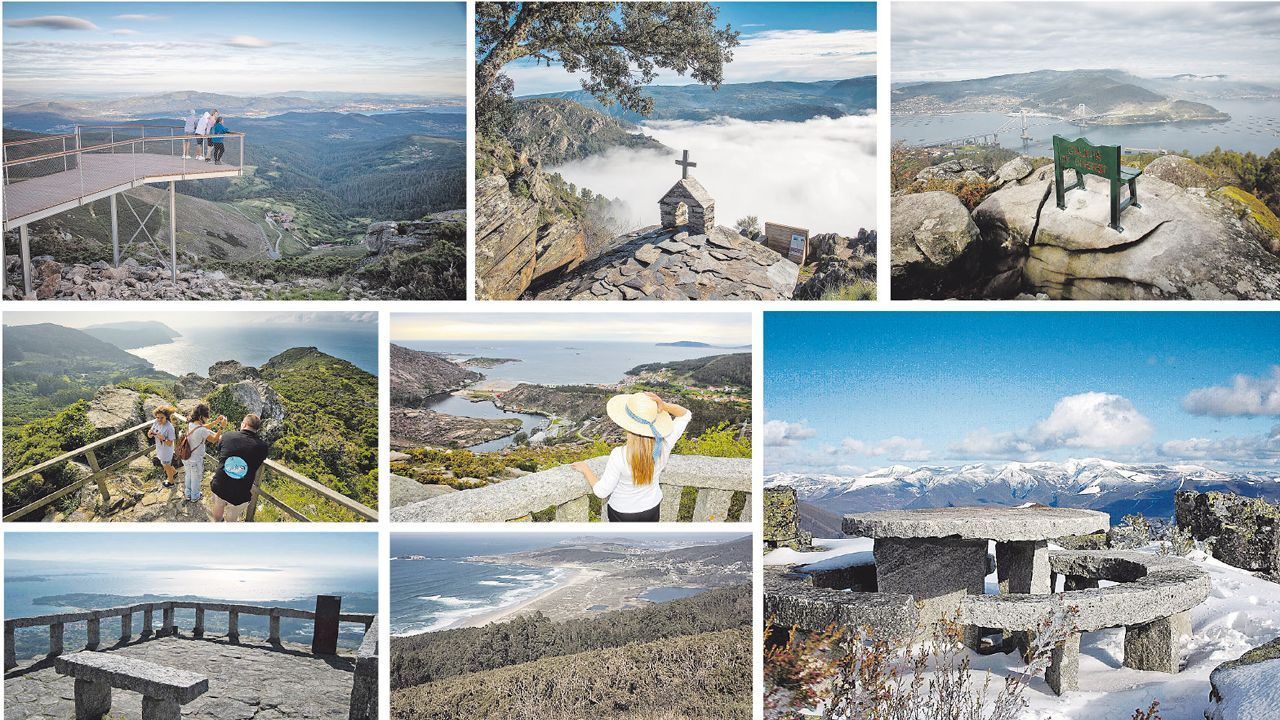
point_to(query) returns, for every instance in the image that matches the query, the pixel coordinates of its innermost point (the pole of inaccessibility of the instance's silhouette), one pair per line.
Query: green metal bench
(1088, 159)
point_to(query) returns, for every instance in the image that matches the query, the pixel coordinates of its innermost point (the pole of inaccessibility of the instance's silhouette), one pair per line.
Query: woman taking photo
(630, 479)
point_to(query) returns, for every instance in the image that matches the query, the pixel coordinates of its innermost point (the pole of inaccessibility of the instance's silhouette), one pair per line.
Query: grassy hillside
(330, 429)
(48, 367)
(692, 677)
(731, 369)
(433, 656)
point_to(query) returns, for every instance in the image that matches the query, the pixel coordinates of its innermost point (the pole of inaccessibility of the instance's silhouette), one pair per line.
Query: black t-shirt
(243, 452)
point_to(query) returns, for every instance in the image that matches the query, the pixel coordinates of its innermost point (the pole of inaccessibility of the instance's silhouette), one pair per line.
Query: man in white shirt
(202, 128)
(189, 128)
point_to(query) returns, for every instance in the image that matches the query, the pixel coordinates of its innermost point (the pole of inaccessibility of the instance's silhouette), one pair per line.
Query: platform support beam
(24, 247)
(115, 233)
(173, 229)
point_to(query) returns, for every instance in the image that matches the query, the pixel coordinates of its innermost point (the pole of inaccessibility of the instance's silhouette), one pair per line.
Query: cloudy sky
(259, 551)
(801, 41)
(362, 321)
(728, 328)
(55, 51)
(959, 40)
(850, 392)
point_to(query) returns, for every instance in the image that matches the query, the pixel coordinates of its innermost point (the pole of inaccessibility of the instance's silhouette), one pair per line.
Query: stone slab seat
(1152, 602)
(795, 602)
(164, 689)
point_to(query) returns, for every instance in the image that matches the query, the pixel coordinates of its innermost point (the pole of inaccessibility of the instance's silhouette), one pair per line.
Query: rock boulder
(1247, 530)
(230, 371)
(1245, 688)
(192, 385)
(113, 409)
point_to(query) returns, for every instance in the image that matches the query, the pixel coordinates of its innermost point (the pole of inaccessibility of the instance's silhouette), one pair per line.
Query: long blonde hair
(640, 458)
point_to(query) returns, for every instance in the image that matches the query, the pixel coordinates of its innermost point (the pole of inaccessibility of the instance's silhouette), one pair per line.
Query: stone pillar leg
(274, 639)
(10, 655)
(55, 639)
(1157, 645)
(157, 709)
(168, 628)
(126, 627)
(324, 633)
(233, 626)
(1077, 582)
(93, 699)
(938, 573)
(197, 631)
(94, 634)
(1022, 568)
(1063, 673)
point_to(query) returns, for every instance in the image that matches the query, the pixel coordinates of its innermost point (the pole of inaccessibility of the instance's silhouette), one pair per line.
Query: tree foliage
(619, 47)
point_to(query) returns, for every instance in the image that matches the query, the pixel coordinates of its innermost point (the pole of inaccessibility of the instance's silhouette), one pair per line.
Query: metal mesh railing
(48, 172)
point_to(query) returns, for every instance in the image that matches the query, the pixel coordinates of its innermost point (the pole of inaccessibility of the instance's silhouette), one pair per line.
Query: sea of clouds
(819, 174)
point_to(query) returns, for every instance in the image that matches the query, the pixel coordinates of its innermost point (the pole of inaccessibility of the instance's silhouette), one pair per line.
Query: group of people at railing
(243, 453)
(211, 147)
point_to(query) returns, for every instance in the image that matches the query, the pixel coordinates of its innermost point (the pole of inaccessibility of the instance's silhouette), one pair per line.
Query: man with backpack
(243, 452)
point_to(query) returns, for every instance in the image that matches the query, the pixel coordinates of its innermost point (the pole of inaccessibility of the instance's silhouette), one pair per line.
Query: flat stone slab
(1002, 524)
(791, 602)
(140, 676)
(250, 681)
(1150, 587)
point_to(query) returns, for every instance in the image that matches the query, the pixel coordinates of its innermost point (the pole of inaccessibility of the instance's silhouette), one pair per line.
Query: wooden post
(173, 228)
(198, 630)
(101, 481)
(324, 636)
(115, 232)
(252, 510)
(24, 249)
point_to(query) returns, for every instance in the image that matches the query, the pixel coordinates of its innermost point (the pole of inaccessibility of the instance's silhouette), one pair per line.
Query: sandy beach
(575, 577)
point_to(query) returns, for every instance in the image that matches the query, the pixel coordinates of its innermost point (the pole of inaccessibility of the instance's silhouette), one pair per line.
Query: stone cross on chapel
(685, 165)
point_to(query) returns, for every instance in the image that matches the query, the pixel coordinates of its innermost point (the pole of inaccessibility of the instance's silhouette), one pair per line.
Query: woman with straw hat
(630, 479)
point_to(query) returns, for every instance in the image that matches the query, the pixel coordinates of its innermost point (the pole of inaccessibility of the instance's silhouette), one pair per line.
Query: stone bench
(1152, 602)
(164, 690)
(793, 601)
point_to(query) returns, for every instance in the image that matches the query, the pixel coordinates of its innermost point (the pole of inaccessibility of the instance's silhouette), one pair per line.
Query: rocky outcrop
(386, 236)
(1246, 531)
(962, 169)
(417, 375)
(229, 371)
(782, 520)
(192, 385)
(258, 398)
(1245, 688)
(1013, 171)
(411, 427)
(1185, 241)
(113, 409)
(51, 280)
(657, 263)
(556, 130)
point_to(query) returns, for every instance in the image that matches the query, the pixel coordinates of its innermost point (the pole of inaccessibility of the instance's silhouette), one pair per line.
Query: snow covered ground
(1242, 612)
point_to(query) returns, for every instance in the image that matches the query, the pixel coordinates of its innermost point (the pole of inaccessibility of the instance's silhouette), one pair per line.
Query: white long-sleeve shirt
(617, 485)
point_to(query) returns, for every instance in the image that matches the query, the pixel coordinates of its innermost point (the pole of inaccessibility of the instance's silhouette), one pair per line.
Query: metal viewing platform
(48, 175)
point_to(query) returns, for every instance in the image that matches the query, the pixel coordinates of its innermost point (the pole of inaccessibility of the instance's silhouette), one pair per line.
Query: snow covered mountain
(1112, 487)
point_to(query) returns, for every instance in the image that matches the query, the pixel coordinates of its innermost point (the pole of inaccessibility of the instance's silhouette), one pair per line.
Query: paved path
(252, 681)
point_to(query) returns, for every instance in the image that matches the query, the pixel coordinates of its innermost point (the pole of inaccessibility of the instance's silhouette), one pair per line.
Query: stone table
(939, 555)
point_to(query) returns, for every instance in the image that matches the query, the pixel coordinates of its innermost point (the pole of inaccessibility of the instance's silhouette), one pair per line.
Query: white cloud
(248, 41)
(1091, 420)
(1247, 396)
(896, 447)
(1263, 448)
(53, 22)
(139, 17)
(818, 174)
(780, 433)
(125, 31)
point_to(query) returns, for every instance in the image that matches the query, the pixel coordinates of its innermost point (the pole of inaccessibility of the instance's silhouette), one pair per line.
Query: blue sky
(798, 41)
(245, 48)
(850, 392)
(191, 549)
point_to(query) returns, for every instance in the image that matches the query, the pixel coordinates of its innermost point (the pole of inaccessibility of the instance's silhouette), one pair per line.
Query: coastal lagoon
(199, 347)
(44, 587)
(1254, 127)
(462, 407)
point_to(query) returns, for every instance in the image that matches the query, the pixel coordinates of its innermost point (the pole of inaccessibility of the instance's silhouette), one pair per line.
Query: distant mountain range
(1112, 487)
(1129, 98)
(795, 101)
(133, 334)
(699, 344)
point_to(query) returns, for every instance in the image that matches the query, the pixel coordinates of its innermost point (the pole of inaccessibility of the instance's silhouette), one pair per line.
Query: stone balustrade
(565, 491)
(93, 623)
(364, 689)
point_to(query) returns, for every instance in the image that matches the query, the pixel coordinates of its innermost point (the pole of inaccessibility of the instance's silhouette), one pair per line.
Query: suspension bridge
(1021, 122)
(49, 175)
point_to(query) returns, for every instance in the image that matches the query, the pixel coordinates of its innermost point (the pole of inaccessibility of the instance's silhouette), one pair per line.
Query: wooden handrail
(76, 453)
(81, 151)
(327, 493)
